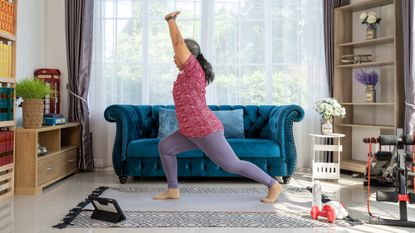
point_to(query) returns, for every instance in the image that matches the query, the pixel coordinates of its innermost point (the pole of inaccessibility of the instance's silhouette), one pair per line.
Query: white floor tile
(26, 214)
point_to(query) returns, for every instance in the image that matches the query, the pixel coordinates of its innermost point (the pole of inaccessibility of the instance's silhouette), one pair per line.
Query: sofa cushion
(167, 122)
(244, 148)
(255, 148)
(148, 148)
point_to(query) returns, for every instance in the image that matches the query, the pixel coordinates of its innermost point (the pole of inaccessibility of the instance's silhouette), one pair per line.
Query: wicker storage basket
(33, 113)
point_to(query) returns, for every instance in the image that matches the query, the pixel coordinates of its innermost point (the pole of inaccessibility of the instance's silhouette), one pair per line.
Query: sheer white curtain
(263, 52)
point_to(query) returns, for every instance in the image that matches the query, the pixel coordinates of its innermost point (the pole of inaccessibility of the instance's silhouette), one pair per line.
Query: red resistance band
(368, 177)
(404, 198)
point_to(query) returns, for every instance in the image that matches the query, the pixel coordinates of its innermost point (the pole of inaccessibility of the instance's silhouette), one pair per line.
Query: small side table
(323, 169)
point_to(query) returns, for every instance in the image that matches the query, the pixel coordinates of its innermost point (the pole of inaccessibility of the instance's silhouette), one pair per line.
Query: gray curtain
(328, 18)
(78, 25)
(409, 79)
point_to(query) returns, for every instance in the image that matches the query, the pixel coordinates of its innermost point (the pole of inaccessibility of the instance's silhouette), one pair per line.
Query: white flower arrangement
(369, 18)
(328, 108)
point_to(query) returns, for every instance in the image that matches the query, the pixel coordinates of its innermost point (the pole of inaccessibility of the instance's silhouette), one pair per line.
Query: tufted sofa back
(255, 118)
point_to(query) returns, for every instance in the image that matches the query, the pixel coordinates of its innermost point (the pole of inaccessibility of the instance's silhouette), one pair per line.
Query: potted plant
(329, 108)
(32, 91)
(370, 79)
(371, 19)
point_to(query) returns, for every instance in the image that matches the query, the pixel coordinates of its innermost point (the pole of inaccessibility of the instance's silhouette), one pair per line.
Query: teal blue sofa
(268, 142)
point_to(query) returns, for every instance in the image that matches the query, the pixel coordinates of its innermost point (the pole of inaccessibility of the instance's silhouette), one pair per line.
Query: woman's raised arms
(181, 51)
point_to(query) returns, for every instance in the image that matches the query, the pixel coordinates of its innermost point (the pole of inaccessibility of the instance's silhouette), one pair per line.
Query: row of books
(6, 147)
(7, 11)
(6, 56)
(6, 103)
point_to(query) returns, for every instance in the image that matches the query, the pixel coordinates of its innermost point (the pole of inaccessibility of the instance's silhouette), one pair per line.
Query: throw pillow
(233, 122)
(167, 122)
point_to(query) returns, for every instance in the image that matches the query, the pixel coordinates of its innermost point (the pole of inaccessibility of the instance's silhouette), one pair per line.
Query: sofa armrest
(281, 121)
(128, 124)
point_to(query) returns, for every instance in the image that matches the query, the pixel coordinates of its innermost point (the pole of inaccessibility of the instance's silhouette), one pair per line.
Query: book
(6, 57)
(11, 103)
(2, 57)
(9, 58)
(2, 104)
(3, 148)
(7, 11)
(9, 147)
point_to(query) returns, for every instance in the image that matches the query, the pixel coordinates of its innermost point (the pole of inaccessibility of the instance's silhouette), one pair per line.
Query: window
(262, 51)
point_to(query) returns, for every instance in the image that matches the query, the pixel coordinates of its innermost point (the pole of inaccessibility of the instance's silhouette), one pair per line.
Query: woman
(198, 125)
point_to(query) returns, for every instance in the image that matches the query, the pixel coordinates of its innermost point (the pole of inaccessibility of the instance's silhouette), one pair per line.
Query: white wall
(41, 42)
(30, 38)
(55, 49)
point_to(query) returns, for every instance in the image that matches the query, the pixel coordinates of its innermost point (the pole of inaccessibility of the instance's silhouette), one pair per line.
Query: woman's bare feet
(273, 193)
(168, 194)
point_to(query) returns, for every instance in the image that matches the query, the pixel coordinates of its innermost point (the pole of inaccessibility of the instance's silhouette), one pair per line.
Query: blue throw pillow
(232, 121)
(167, 122)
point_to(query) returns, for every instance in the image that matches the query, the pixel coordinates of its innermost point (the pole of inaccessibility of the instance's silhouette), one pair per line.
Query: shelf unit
(34, 172)
(377, 41)
(367, 64)
(365, 126)
(368, 104)
(7, 175)
(386, 115)
(323, 169)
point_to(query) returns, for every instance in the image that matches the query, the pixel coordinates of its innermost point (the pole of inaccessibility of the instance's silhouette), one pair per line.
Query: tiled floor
(25, 214)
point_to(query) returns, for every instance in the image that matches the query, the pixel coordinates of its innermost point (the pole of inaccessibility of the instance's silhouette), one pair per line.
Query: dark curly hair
(194, 48)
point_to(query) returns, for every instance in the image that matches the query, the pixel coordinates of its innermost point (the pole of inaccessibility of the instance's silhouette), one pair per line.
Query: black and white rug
(151, 219)
(199, 206)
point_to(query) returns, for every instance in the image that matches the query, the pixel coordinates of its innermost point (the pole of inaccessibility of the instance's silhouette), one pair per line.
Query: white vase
(327, 127)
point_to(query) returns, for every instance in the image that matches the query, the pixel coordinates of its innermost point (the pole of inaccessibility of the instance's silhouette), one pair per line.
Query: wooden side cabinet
(34, 172)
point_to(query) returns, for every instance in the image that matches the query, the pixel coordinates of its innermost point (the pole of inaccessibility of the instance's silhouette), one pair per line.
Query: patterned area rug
(202, 207)
(212, 190)
(151, 219)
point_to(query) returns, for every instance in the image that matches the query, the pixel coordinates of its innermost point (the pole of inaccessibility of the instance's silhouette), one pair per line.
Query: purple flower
(367, 78)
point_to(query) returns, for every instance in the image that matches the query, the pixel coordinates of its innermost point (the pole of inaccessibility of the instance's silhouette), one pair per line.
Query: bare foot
(273, 193)
(168, 194)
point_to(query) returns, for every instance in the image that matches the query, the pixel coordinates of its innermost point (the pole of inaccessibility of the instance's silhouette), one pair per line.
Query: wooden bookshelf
(378, 41)
(7, 172)
(367, 64)
(7, 80)
(388, 114)
(366, 126)
(7, 36)
(365, 4)
(353, 165)
(367, 104)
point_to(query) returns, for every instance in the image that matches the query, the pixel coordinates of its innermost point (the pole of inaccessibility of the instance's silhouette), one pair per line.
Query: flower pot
(327, 127)
(371, 31)
(370, 94)
(33, 113)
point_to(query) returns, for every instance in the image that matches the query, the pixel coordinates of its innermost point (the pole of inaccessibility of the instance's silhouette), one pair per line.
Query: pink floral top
(189, 90)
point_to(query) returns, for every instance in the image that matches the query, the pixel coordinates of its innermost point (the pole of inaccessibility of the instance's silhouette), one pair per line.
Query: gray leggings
(216, 148)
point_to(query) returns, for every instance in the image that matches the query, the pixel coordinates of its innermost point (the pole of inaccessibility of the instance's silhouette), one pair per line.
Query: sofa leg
(286, 179)
(278, 179)
(123, 179)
